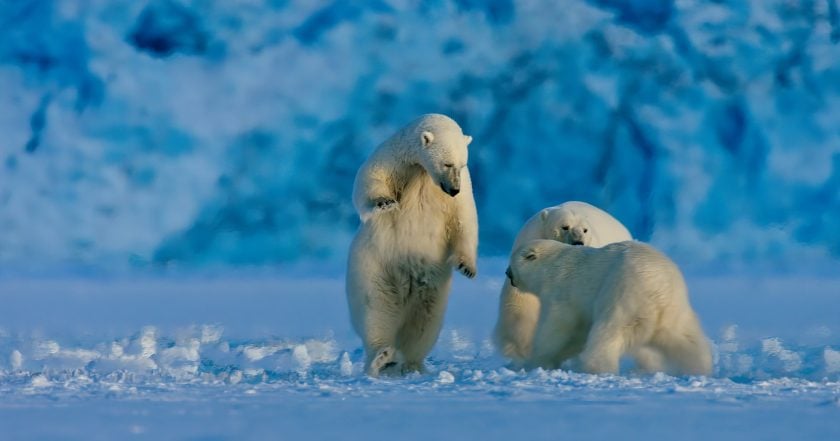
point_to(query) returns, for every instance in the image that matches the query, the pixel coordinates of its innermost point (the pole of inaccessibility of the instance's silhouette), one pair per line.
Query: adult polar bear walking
(599, 303)
(574, 223)
(414, 197)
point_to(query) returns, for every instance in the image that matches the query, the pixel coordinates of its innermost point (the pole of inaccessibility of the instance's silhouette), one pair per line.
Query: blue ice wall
(153, 132)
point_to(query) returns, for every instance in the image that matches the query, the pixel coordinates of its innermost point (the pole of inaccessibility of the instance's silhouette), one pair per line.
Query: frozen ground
(230, 132)
(272, 356)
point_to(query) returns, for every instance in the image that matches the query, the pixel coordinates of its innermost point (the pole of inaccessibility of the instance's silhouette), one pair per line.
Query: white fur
(601, 303)
(412, 234)
(519, 310)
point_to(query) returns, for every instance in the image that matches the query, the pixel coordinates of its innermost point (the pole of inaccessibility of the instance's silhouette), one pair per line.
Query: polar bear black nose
(509, 275)
(451, 191)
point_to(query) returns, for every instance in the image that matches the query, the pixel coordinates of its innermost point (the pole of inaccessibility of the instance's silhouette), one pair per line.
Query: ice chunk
(832, 360)
(345, 366)
(16, 360)
(445, 377)
(301, 358)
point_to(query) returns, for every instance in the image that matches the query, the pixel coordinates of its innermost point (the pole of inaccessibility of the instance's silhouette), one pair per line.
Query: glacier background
(193, 132)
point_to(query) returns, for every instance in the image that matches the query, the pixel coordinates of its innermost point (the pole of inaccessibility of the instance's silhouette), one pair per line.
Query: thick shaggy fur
(414, 197)
(600, 303)
(573, 222)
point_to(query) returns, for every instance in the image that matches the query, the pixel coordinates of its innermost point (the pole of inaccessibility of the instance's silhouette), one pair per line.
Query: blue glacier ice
(194, 132)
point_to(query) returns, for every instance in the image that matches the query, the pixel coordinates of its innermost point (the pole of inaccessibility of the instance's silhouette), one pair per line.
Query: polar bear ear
(468, 139)
(544, 214)
(427, 138)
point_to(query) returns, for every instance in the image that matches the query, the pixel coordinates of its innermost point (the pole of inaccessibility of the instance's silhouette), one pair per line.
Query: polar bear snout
(450, 181)
(509, 275)
(451, 191)
(576, 235)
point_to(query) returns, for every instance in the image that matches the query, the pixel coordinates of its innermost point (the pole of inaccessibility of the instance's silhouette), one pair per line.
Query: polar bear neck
(400, 154)
(404, 147)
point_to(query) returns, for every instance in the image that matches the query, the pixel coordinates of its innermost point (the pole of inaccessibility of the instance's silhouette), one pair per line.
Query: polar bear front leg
(464, 227)
(554, 339)
(373, 193)
(518, 315)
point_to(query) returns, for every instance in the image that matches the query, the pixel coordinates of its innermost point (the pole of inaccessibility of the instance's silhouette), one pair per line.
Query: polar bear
(600, 303)
(574, 223)
(414, 198)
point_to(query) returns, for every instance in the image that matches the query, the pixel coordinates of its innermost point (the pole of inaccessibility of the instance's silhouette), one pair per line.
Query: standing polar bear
(414, 197)
(599, 303)
(574, 223)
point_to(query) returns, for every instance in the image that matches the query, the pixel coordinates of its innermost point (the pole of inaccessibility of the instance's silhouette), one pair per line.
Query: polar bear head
(566, 226)
(443, 151)
(528, 270)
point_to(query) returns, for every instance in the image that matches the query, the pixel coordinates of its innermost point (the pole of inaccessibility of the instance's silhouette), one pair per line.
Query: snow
(246, 355)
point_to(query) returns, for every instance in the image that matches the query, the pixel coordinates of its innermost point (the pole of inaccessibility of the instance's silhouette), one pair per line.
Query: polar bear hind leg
(619, 326)
(423, 322)
(376, 317)
(556, 338)
(648, 360)
(603, 349)
(383, 361)
(685, 349)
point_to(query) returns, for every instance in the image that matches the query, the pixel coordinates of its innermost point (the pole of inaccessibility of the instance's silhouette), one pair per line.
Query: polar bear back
(644, 270)
(630, 273)
(599, 303)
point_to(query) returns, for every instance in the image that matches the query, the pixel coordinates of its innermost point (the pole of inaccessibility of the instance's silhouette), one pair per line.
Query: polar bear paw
(384, 360)
(464, 266)
(467, 270)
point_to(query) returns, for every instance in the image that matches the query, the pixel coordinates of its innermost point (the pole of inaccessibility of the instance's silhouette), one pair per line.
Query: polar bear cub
(414, 198)
(574, 223)
(600, 303)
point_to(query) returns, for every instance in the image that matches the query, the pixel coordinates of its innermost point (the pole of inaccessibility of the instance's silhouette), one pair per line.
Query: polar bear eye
(586, 230)
(566, 227)
(449, 165)
(531, 255)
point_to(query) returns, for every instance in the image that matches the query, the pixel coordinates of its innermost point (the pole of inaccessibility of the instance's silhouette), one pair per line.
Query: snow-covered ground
(271, 355)
(150, 132)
